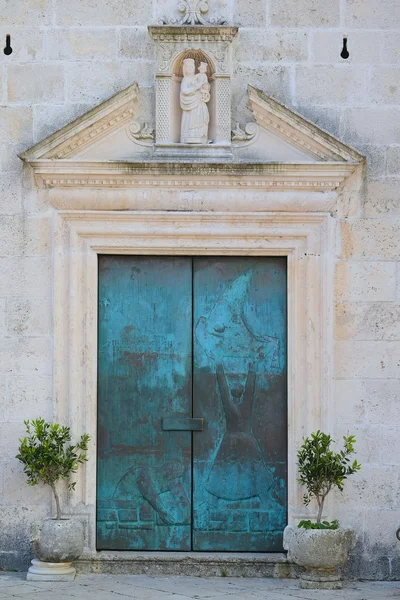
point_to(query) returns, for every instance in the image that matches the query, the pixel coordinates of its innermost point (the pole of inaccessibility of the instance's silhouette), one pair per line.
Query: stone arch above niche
(199, 56)
(173, 45)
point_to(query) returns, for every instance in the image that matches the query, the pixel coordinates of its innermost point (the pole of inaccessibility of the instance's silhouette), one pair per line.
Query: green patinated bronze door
(192, 426)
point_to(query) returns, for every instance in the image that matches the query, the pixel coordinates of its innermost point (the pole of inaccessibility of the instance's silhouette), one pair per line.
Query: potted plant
(48, 457)
(321, 547)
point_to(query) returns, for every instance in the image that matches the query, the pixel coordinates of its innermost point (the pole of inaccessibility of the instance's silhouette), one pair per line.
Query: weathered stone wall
(69, 56)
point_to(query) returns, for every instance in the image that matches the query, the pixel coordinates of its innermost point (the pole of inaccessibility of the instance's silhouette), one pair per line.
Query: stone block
(103, 12)
(326, 47)
(382, 401)
(28, 316)
(312, 13)
(11, 239)
(323, 84)
(82, 43)
(376, 159)
(275, 81)
(367, 321)
(373, 14)
(25, 355)
(365, 281)
(22, 275)
(16, 490)
(94, 82)
(384, 85)
(393, 162)
(16, 124)
(380, 531)
(378, 125)
(370, 239)
(10, 433)
(10, 194)
(367, 359)
(371, 487)
(254, 45)
(27, 44)
(250, 13)
(135, 43)
(389, 444)
(3, 305)
(35, 83)
(28, 396)
(349, 401)
(24, 236)
(383, 197)
(26, 12)
(390, 47)
(9, 160)
(368, 442)
(48, 118)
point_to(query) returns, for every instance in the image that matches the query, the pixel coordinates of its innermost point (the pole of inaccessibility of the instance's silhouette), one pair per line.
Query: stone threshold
(192, 564)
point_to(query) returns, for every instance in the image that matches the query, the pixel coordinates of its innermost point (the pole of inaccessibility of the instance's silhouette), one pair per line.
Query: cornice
(296, 130)
(267, 176)
(86, 130)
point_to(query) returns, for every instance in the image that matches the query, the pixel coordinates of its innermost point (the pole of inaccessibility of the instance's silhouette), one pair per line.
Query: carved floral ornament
(193, 12)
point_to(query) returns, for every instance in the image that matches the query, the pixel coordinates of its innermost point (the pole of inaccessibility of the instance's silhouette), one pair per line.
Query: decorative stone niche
(208, 44)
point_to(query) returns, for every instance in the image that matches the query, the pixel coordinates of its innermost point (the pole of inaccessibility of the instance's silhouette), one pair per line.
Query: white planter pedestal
(46, 571)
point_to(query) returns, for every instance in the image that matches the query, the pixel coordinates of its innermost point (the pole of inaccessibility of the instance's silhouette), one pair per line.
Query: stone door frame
(79, 236)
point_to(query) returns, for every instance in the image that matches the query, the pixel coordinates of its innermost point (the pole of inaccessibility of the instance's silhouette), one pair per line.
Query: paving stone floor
(141, 587)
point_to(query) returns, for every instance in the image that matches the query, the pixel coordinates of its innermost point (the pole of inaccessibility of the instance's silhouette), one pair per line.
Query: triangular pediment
(88, 130)
(299, 133)
(111, 146)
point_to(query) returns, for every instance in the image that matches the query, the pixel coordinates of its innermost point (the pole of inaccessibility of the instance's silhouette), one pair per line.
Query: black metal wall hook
(345, 53)
(7, 49)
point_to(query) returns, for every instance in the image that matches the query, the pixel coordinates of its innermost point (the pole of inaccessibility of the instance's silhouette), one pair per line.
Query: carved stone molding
(299, 132)
(306, 240)
(88, 129)
(305, 176)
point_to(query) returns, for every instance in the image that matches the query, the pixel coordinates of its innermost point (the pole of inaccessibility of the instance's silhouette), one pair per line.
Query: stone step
(193, 564)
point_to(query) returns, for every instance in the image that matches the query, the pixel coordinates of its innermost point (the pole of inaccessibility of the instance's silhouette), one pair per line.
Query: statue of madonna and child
(195, 93)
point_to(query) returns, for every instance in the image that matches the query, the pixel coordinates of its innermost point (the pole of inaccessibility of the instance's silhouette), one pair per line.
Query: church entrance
(192, 403)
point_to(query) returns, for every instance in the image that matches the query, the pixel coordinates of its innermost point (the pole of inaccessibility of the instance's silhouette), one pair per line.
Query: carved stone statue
(195, 93)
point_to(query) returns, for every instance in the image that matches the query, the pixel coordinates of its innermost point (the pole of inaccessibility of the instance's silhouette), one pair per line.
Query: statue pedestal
(45, 571)
(190, 151)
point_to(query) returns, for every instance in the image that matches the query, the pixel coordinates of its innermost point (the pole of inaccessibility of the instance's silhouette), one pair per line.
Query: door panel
(160, 320)
(145, 367)
(239, 460)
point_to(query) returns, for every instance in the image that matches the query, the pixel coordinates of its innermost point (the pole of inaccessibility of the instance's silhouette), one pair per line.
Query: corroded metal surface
(160, 320)
(239, 461)
(145, 374)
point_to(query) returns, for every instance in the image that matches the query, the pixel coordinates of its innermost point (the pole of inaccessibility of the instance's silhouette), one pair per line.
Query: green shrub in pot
(49, 457)
(321, 546)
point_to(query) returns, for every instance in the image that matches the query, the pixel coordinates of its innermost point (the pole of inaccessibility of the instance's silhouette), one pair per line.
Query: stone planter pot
(321, 552)
(57, 544)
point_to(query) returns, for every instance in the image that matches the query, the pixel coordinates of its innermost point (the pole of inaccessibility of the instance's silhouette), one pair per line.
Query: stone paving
(142, 587)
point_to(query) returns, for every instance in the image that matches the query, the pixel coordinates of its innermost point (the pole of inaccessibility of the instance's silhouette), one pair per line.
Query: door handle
(182, 424)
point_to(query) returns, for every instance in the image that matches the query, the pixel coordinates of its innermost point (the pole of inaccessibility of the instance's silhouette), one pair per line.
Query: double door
(192, 410)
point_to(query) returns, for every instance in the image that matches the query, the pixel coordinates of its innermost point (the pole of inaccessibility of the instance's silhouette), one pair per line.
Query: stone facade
(68, 58)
